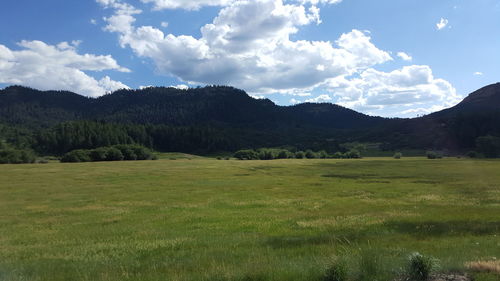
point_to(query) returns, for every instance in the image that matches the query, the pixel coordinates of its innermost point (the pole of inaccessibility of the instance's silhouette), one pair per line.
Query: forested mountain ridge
(170, 106)
(224, 118)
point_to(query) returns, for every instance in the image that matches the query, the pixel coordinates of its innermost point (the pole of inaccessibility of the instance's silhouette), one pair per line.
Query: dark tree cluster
(112, 153)
(9, 155)
(273, 153)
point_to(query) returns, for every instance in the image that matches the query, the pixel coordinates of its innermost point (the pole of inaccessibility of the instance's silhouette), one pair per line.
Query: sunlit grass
(205, 219)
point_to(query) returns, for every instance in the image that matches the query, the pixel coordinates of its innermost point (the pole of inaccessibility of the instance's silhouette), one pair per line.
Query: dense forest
(219, 118)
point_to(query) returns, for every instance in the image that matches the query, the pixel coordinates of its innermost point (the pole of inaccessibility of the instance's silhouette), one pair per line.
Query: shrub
(299, 155)
(398, 155)
(420, 267)
(337, 271)
(142, 152)
(127, 151)
(433, 155)
(16, 156)
(353, 154)
(266, 154)
(283, 154)
(338, 155)
(76, 156)
(310, 154)
(322, 154)
(99, 154)
(114, 154)
(247, 154)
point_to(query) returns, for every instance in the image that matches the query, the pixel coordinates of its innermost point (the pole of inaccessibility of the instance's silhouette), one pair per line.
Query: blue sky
(386, 57)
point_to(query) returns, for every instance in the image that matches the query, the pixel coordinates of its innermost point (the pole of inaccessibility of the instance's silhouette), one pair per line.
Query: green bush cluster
(420, 267)
(16, 156)
(433, 155)
(111, 153)
(273, 153)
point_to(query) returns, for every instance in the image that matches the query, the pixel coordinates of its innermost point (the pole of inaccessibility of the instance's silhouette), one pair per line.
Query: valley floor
(204, 219)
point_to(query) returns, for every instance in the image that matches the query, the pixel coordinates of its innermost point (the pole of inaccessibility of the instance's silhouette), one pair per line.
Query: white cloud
(93, 21)
(59, 67)
(164, 24)
(186, 4)
(320, 98)
(197, 4)
(294, 101)
(442, 24)
(315, 2)
(248, 46)
(181, 87)
(478, 73)
(395, 93)
(404, 56)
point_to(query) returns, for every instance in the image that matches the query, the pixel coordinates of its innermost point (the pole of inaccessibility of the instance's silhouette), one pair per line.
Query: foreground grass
(205, 219)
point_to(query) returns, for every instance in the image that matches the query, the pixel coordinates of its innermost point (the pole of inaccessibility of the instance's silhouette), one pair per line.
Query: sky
(391, 58)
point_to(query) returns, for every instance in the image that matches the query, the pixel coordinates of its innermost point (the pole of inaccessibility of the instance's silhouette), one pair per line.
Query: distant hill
(242, 121)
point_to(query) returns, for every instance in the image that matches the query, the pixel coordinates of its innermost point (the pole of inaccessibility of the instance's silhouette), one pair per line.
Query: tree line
(273, 153)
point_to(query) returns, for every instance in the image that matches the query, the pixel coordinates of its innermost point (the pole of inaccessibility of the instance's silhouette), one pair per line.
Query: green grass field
(205, 219)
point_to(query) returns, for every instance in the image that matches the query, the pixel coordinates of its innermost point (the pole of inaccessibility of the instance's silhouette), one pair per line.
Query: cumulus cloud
(395, 93)
(59, 67)
(248, 46)
(404, 56)
(441, 24)
(197, 4)
(186, 4)
(478, 73)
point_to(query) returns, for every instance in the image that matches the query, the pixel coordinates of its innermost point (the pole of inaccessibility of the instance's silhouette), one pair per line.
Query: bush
(337, 271)
(421, 267)
(398, 155)
(16, 156)
(299, 154)
(433, 155)
(322, 154)
(283, 154)
(353, 154)
(99, 154)
(247, 154)
(266, 154)
(76, 156)
(338, 155)
(114, 154)
(142, 152)
(310, 154)
(127, 151)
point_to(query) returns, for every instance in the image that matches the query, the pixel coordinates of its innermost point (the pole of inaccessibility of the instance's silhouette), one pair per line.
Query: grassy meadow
(228, 220)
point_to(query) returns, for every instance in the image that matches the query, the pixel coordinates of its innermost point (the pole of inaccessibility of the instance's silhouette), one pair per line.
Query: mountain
(486, 99)
(224, 106)
(225, 118)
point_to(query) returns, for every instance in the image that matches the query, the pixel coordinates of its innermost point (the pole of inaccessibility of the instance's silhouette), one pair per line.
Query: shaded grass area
(204, 219)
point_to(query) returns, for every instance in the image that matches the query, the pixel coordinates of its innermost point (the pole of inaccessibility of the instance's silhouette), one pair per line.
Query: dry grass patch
(484, 266)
